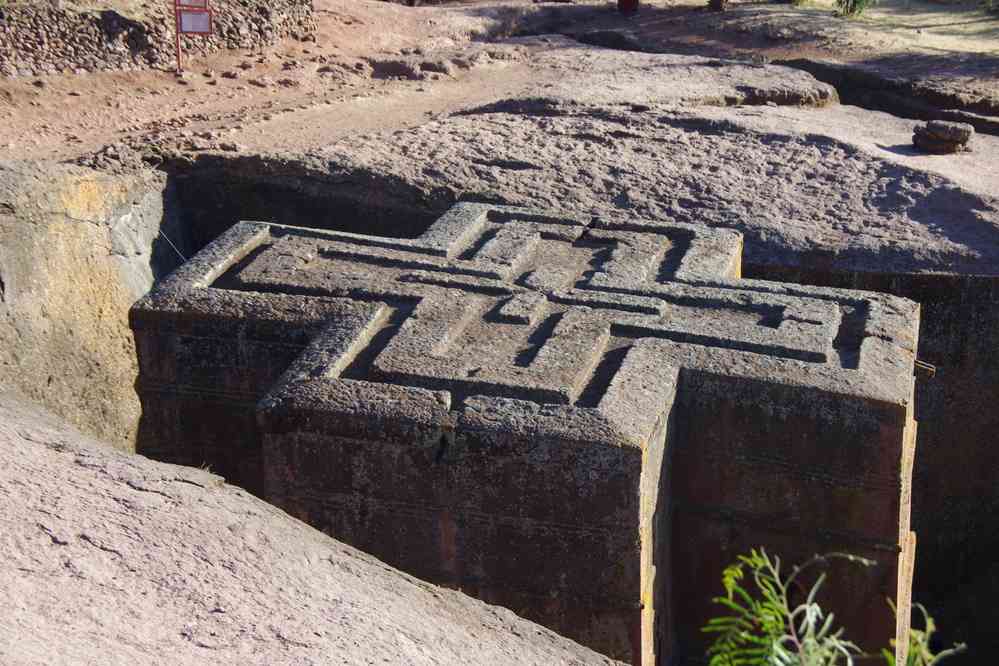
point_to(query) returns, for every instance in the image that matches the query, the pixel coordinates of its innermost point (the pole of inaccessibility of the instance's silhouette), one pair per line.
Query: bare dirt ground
(63, 116)
(298, 94)
(60, 117)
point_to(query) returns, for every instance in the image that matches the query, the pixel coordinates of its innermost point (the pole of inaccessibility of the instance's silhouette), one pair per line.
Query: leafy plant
(766, 627)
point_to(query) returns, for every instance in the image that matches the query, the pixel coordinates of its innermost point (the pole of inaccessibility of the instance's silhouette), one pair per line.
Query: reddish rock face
(583, 421)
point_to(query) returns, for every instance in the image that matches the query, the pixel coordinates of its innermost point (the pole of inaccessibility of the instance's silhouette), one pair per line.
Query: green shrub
(764, 626)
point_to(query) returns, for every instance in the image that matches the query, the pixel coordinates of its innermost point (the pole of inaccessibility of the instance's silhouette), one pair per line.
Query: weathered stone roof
(512, 304)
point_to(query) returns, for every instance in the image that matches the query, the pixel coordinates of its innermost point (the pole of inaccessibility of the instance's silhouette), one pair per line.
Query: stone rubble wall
(50, 38)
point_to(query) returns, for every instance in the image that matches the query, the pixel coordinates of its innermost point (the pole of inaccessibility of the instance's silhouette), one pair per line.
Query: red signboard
(191, 17)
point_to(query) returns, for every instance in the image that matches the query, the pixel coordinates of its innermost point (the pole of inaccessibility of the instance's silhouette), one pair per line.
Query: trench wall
(955, 488)
(77, 248)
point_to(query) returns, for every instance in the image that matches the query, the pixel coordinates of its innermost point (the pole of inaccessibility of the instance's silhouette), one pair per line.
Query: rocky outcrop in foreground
(111, 558)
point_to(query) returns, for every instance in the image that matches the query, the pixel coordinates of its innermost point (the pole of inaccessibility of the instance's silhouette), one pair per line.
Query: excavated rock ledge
(595, 77)
(915, 85)
(798, 198)
(115, 559)
(870, 88)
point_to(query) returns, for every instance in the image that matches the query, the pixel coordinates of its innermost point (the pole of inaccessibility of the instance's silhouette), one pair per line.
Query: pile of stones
(49, 38)
(942, 137)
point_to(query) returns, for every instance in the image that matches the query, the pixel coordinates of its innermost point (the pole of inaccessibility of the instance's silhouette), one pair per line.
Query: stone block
(580, 420)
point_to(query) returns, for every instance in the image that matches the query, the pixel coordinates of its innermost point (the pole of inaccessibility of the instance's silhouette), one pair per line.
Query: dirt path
(64, 116)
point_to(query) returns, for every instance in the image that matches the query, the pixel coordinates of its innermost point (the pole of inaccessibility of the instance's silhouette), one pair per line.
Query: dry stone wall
(48, 38)
(581, 420)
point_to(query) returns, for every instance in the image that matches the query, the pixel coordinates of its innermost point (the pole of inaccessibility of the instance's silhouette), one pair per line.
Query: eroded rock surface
(114, 559)
(619, 135)
(790, 195)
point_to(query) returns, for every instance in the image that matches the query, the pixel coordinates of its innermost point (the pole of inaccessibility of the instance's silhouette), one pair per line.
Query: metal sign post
(191, 17)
